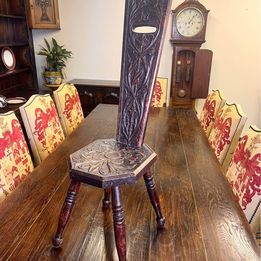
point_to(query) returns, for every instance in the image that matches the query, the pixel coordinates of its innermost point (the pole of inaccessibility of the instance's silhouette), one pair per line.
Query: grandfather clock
(190, 65)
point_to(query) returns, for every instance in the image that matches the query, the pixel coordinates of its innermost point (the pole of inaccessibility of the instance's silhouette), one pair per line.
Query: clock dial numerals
(190, 21)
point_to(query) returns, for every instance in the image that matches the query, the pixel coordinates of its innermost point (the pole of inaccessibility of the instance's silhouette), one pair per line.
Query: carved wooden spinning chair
(109, 163)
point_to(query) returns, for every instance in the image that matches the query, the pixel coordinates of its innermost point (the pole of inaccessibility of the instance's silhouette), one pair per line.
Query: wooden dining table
(203, 219)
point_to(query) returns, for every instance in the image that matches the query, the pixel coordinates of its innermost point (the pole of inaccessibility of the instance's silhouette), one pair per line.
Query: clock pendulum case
(190, 65)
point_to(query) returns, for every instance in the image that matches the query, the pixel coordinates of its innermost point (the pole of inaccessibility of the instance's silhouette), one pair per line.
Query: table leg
(119, 224)
(66, 212)
(154, 199)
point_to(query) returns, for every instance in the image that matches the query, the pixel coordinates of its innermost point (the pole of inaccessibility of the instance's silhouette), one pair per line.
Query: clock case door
(197, 39)
(190, 75)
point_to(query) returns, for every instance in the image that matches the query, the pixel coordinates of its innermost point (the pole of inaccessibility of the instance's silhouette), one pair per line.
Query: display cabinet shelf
(12, 16)
(13, 44)
(15, 34)
(9, 73)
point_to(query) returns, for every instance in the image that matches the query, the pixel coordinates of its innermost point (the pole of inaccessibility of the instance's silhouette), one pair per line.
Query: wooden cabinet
(93, 92)
(15, 34)
(191, 68)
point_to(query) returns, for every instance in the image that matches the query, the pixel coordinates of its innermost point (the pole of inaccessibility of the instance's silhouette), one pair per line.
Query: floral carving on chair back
(140, 61)
(226, 127)
(15, 159)
(69, 107)
(210, 109)
(244, 172)
(42, 125)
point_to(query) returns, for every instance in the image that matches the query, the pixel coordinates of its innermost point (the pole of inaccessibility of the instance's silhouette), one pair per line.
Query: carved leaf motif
(105, 158)
(139, 65)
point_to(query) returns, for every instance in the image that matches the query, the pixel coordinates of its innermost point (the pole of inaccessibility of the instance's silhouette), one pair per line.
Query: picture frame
(43, 14)
(159, 97)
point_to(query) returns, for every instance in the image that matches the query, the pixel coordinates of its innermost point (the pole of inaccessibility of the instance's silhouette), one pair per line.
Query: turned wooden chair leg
(106, 200)
(119, 224)
(154, 199)
(66, 212)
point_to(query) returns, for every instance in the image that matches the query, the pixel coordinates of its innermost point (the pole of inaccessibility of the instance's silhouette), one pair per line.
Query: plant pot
(52, 78)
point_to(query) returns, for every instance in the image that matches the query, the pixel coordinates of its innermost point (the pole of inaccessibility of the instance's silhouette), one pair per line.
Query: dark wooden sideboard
(92, 92)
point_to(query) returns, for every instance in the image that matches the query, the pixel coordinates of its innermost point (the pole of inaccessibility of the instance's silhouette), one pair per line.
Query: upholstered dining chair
(110, 163)
(244, 175)
(226, 131)
(69, 107)
(42, 125)
(159, 96)
(15, 159)
(213, 103)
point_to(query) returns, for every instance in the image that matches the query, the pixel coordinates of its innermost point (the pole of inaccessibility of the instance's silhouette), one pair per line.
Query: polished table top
(203, 219)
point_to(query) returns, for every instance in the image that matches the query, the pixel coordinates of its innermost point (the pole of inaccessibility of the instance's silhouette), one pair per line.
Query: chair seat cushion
(103, 164)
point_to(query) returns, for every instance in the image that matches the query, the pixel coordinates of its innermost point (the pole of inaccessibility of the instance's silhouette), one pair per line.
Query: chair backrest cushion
(244, 172)
(69, 108)
(15, 159)
(226, 131)
(42, 125)
(213, 103)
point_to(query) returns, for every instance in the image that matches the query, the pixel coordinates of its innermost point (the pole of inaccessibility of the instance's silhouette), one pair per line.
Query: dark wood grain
(181, 239)
(203, 219)
(217, 207)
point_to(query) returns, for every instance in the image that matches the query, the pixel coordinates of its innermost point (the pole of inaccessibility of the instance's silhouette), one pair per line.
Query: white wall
(92, 30)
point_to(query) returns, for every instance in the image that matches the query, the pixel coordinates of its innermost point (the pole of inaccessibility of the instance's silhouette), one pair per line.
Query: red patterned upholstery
(68, 106)
(159, 95)
(212, 105)
(42, 125)
(226, 131)
(15, 160)
(244, 173)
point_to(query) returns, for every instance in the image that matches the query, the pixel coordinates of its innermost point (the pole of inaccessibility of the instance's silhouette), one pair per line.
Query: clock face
(189, 22)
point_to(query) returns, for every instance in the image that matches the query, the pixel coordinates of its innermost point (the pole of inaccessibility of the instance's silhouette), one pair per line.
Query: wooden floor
(203, 220)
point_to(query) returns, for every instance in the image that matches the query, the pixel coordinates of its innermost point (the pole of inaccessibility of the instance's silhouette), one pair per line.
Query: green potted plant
(56, 58)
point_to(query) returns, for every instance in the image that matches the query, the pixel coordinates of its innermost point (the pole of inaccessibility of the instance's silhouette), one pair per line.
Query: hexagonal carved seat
(109, 163)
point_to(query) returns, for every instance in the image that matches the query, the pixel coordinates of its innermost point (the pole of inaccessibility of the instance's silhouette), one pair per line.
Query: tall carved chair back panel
(15, 159)
(213, 103)
(142, 34)
(226, 131)
(69, 107)
(42, 125)
(244, 174)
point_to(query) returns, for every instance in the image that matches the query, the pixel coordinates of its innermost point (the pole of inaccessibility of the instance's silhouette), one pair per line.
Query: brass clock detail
(190, 64)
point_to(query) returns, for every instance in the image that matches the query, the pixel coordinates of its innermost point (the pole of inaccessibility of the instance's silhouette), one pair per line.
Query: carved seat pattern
(104, 161)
